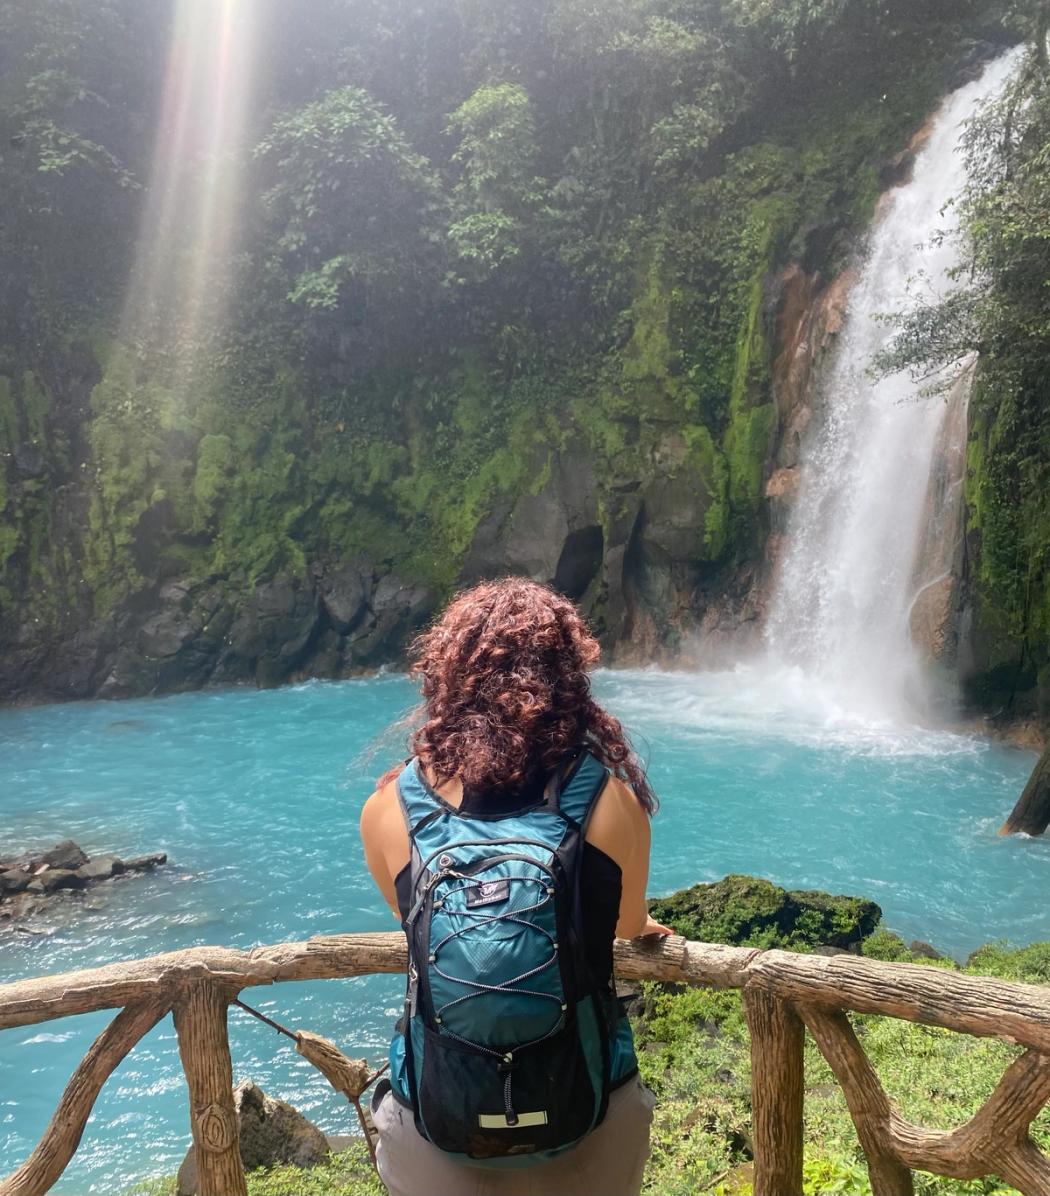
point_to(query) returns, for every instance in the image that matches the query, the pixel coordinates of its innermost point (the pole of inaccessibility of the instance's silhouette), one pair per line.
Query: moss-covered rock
(747, 911)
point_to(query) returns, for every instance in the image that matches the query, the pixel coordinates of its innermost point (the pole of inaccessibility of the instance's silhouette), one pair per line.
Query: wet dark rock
(30, 882)
(553, 536)
(84, 662)
(339, 618)
(344, 595)
(983, 52)
(145, 863)
(272, 633)
(897, 171)
(166, 633)
(579, 562)
(396, 611)
(14, 881)
(328, 660)
(65, 855)
(101, 867)
(53, 879)
(675, 507)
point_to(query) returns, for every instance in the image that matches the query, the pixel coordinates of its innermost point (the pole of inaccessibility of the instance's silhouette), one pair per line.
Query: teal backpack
(508, 1045)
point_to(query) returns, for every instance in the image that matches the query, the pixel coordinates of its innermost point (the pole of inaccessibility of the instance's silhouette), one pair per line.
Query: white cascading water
(848, 573)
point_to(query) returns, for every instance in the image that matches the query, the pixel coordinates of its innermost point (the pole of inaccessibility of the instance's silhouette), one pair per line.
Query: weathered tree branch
(62, 1136)
(975, 1005)
(27, 1002)
(994, 1142)
(869, 1106)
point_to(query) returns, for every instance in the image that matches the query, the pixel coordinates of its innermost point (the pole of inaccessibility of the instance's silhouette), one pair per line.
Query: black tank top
(601, 879)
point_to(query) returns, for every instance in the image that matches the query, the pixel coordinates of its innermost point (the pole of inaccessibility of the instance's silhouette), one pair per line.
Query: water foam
(766, 700)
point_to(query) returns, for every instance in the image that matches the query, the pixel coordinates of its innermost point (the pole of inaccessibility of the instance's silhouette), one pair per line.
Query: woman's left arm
(375, 837)
(620, 828)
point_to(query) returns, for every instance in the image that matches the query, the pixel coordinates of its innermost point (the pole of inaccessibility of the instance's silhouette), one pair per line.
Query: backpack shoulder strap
(417, 800)
(576, 792)
(580, 789)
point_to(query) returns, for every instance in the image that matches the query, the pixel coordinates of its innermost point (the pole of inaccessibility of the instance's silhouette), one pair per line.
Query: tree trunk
(1031, 815)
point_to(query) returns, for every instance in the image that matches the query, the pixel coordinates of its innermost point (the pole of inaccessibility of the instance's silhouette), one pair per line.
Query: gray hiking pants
(610, 1161)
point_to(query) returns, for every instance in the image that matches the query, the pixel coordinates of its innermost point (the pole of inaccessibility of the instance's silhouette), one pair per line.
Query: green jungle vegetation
(464, 236)
(694, 1054)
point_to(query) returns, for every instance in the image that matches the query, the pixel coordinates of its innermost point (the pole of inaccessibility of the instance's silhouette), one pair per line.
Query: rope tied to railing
(352, 1077)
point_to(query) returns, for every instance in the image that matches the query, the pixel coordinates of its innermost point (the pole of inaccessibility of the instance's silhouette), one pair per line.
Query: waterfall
(852, 566)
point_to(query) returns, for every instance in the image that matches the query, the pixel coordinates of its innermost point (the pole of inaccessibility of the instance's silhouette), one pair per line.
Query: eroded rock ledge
(30, 880)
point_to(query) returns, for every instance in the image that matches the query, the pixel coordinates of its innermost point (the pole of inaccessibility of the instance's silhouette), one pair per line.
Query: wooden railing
(784, 994)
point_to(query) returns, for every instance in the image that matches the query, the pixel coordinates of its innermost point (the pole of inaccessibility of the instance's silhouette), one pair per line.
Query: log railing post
(777, 1042)
(204, 1047)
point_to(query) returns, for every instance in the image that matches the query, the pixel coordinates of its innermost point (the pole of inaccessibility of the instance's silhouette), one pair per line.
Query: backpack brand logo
(488, 893)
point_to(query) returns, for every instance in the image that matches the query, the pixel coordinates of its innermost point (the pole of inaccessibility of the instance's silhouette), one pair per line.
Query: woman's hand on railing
(654, 927)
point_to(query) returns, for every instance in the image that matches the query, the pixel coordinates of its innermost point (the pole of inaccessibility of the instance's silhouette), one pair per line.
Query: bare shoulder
(618, 800)
(619, 825)
(378, 810)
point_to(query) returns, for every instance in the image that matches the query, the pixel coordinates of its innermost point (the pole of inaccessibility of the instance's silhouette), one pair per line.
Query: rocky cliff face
(626, 552)
(149, 557)
(938, 615)
(665, 531)
(329, 622)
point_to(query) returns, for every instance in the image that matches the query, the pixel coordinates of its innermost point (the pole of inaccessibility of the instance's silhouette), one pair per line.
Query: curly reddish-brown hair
(507, 692)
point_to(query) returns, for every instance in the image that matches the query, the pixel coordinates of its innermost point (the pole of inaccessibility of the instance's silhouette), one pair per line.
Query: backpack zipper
(507, 1066)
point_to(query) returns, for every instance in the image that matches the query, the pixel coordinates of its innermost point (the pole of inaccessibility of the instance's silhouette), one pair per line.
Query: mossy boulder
(748, 911)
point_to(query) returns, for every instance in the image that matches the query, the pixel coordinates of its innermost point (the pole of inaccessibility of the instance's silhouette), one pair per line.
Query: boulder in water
(145, 863)
(14, 881)
(65, 855)
(101, 867)
(53, 879)
(33, 880)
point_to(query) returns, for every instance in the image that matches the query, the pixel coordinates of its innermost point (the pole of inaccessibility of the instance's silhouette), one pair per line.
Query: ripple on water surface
(256, 796)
